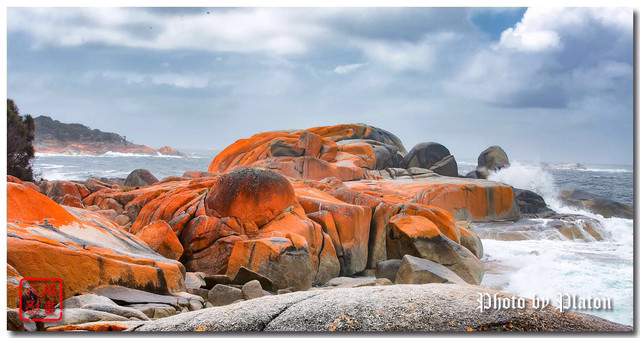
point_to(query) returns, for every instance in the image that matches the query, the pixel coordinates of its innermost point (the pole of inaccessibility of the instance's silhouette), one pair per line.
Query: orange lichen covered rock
(57, 190)
(477, 200)
(420, 237)
(13, 287)
(83, 249)
(95, 326)
(72, 201)
(26, 184)
(342, 151)
(250, 194)
(348, 226)
(278, 258)
(160, 237)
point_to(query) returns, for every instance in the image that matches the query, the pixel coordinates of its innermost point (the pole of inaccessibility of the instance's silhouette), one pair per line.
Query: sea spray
(548, 266)
(528, 177)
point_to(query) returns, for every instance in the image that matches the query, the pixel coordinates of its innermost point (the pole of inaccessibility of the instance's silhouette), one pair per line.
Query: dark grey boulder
(193, 280)
(14, 323)
(595, 203)
(224, 295)
(252, 290)
(416, 308)
(388, 268)
(245, 275)
(493, 158)
(414, 270)
(375, 134)
(490, 160)
(386, 155)
(433, 156)
(213, 280)
(531, 204)
(140, 177)
(280, 148)
(446, 167)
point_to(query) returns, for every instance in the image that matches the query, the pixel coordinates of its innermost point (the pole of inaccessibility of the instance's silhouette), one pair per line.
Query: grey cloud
(431, 76)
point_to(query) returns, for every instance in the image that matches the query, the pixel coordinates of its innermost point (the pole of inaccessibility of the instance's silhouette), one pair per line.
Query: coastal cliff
(53, 136)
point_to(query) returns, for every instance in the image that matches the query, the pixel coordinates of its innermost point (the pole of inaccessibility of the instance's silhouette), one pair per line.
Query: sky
(546, 84)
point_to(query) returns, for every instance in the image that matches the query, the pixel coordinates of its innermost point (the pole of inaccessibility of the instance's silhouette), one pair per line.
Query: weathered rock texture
(428, 307)
(295, 208)
(80, 247)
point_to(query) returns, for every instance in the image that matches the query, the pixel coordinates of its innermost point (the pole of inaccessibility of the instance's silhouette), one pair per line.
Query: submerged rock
(595, 203)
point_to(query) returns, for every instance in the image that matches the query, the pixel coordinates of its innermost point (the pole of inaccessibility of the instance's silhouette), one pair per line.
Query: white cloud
(553, 58)
(543, 29)
(247, 30)
(344, 69)
(170, 79)
(534, 41)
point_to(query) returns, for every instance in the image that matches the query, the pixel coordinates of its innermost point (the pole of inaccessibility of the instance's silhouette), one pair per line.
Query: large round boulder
(433, 156)
(140, 177)
(493, 158)
(250, 194)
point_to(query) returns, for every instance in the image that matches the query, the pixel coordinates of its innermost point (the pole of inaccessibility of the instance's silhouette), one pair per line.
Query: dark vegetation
(50, 129)
(20, 135)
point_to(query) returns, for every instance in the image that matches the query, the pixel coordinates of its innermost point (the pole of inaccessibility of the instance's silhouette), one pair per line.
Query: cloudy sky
(545, 84)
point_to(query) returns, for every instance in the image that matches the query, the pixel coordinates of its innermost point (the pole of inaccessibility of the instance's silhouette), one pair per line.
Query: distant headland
(53, 136)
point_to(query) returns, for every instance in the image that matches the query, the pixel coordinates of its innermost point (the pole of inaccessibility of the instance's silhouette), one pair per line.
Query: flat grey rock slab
(428, 307)
(122, 295)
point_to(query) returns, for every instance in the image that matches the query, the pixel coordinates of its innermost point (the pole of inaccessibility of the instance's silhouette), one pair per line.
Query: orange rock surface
(471, 199)
(310, 154)
(80, 247)
(299, 207)
(161, 238)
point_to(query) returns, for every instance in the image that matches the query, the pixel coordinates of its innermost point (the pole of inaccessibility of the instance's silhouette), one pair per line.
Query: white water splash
(546, 267)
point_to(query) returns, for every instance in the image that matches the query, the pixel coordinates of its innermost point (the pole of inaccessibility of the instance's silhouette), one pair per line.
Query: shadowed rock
(414, 270)
(433, 156)
(140, 177)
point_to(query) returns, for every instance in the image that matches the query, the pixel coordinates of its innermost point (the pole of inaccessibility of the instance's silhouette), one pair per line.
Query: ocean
(543, 265)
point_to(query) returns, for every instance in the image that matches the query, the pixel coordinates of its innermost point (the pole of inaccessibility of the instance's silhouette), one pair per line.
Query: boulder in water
(531, 205)
(490, 160)
(595, 203)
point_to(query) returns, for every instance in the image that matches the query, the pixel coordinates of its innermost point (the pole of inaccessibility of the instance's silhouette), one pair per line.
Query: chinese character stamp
(40, 299)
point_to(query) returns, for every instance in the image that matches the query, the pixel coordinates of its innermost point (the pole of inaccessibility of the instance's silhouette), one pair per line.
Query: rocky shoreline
(323, 209)
(55, 137)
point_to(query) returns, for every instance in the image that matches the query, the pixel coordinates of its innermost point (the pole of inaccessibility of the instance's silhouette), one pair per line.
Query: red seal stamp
(40, 299)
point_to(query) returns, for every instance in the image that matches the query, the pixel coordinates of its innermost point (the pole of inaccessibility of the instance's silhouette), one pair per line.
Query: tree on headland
(20, 135)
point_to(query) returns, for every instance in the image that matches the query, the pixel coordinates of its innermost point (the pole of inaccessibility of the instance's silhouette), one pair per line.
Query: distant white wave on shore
(109, 154)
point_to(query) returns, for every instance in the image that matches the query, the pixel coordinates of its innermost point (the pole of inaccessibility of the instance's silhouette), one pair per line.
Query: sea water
(543, 265)
(548, 263)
